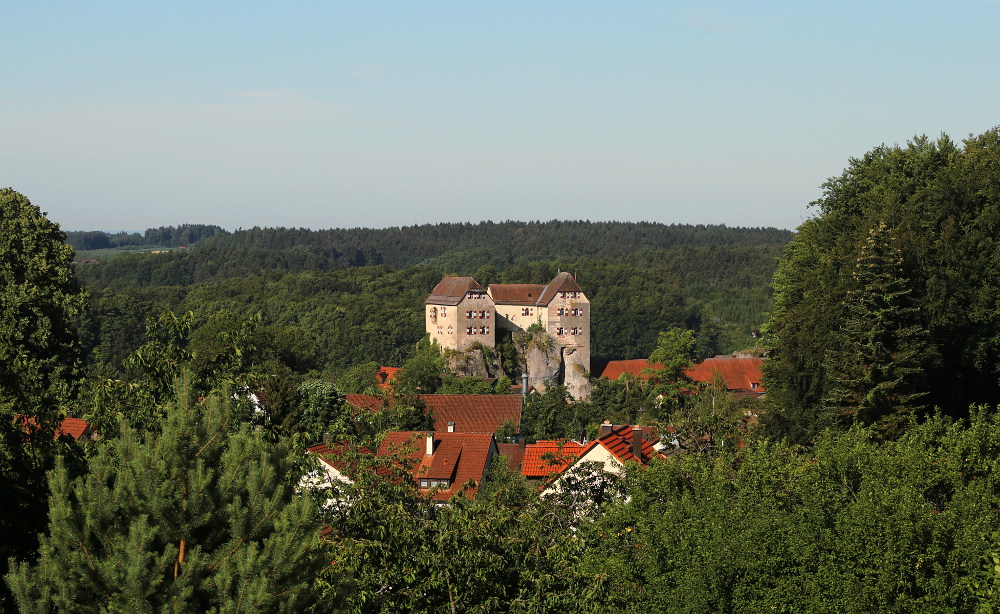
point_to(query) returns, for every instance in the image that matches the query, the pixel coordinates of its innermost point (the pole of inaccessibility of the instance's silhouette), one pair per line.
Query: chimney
(524, 388)
(522, 441)
(606, 427)
(637, 442)
(430, 444)
(326, 438)
(451, 427)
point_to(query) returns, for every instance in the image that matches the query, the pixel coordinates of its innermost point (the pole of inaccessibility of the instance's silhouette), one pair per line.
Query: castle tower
(458, 314)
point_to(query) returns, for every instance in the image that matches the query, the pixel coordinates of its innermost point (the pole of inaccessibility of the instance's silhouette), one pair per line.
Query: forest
(866, 480)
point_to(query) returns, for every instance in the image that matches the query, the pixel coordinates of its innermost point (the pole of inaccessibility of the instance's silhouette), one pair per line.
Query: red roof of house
(619, 443)
(385, 377)
(70, 427)
(365, 401)
(452, 290)
(336, 454)
(516, 294)
(460, 458)
(545, 458)
(739, 372)
(514, 453)
(617, 368)
(473, 413)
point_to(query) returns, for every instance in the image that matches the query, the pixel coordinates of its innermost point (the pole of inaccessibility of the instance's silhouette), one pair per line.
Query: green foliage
(40, 308)
(323, 410)
(422, 373)
(200, 518)
(41, 360)
(910, 235)
(852, 526)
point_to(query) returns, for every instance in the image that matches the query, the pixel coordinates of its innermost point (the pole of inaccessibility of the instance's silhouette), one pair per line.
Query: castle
(460, 315)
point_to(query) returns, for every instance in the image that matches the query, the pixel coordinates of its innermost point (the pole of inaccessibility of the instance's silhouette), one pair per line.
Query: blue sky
(128, 115)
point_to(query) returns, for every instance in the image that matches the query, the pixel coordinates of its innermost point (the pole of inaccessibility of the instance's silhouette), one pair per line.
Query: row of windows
(576, 330)
(569, 294)
(527, 311)
(482, 330)
(433, 483)
(483, 315)
(451, 331)
(566, 311)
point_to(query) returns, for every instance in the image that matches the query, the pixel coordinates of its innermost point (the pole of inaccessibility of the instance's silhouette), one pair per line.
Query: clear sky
(127, 115)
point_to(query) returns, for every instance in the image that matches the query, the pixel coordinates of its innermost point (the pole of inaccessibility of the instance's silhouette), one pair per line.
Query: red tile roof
(452, 290)
(516, 294)
(365, 401)
(473, 413)
(619, 443)
(545, 458)
(74, 428)
(514, 453)
(338, 455)
(460, 458)
(739, 372)
(385, 377)
(617, 368)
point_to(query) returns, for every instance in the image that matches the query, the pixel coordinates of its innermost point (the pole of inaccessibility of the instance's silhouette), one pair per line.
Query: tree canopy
(886, 302)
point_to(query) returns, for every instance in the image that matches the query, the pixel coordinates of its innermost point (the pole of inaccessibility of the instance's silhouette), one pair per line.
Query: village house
(442, 464)
(548, 463)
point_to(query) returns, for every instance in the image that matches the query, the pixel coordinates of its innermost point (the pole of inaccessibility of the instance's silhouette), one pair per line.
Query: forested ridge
(641, 278)
(867, 479)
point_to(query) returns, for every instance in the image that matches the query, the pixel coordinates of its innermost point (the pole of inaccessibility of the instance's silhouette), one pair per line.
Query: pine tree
(200, 518)
(875, 376)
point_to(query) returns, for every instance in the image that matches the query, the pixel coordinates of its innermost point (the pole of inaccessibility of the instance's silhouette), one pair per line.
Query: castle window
(444, 312)
(484, 330)
(451, 331)
(482, 314)
(525, 311)
(561, 311)
(468, 331)
(440, 330)
(560, 331)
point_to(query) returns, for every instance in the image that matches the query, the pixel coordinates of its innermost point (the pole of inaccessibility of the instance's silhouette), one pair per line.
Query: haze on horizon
(121, 116)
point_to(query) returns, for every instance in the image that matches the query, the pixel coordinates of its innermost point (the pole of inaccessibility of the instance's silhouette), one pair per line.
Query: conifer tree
(875, 371)
(199, 518)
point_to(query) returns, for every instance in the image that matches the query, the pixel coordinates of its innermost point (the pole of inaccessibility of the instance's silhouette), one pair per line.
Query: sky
(130, 115)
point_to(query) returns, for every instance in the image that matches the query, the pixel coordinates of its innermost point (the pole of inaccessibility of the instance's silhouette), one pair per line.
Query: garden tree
(201, 517)
(359, 379)
(622, 401)
(941, 205)
(853, 525)
(672, 357)
(875, 369)
(41, 359)
(41, 304)
(322, 410)
(422, 373)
